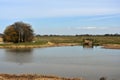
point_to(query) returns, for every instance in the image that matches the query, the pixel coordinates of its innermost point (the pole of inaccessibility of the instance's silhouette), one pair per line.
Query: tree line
(78, 35)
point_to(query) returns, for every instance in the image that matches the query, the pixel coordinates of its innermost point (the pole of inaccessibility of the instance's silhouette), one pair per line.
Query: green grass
(26, 43)
(59, 39)
(98, 40)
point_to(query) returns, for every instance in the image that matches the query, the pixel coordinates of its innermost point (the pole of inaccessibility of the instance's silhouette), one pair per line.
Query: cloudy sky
(63, 17)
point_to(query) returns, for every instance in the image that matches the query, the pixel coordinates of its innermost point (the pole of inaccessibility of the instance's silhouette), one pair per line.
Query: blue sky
(63, 17)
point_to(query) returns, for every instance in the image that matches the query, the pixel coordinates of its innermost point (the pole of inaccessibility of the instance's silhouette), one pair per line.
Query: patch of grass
(32, 43)
(60, 39)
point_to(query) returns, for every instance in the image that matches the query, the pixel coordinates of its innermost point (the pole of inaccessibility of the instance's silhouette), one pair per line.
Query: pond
(72, 61)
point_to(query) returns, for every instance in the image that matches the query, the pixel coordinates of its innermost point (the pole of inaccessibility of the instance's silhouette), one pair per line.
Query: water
(89, 63)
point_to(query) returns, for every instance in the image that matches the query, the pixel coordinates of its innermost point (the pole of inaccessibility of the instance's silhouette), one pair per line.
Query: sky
(63, 17)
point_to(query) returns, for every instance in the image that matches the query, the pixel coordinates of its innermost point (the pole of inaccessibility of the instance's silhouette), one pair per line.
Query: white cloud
(81, 12)
(90, 28)
(94, 30)
(53, 8)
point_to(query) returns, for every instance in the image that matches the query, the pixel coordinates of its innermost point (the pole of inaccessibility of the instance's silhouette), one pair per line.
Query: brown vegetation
(32, 77)
(111, 46)
(18, 32)
(49, 44)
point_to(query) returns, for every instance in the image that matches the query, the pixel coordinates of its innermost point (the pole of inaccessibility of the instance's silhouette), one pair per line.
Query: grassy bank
(51, 41)
(36, 45)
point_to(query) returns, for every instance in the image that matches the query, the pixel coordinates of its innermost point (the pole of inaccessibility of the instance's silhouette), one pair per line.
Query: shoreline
(20, 46)
(14, 46)
(111, 46)
(33, 77)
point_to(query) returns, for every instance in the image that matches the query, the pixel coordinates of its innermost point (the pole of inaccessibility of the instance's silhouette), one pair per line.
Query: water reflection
(89, 63)
(88, 46)
(27, 50)
(19, 56)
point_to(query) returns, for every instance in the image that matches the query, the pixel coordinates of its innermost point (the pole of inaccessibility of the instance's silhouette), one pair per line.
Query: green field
(98, 40)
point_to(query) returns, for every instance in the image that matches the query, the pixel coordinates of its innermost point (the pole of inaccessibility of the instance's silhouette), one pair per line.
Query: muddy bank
(39, 46)
(49, 44)
(32, 77)
(111, 46)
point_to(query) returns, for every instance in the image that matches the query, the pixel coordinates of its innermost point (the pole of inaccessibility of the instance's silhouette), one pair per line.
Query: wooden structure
(88, 43)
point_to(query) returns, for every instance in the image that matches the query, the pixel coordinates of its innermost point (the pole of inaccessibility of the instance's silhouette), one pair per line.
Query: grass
(59, 39)
(98, 40)
(42, 40)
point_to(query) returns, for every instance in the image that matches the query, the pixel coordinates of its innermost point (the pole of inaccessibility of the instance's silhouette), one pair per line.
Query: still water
(89, 63)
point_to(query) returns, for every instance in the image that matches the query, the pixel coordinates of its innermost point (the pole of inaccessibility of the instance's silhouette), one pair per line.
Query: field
(97, 40)
(52, 41)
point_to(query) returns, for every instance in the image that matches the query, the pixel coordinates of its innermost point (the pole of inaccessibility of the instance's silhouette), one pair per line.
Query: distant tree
(18, 32)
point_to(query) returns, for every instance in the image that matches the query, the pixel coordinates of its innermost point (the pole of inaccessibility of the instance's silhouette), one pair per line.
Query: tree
(18, 32)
